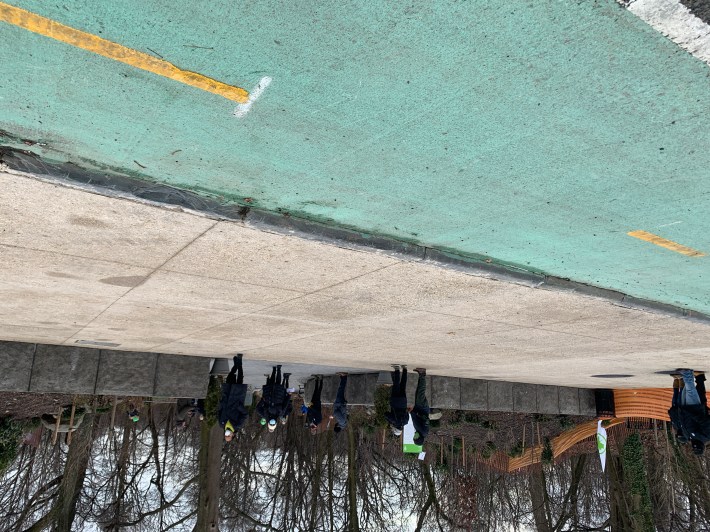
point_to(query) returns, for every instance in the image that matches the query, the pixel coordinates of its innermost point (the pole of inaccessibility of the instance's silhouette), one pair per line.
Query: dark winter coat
(692, 421)
(398, 415)
(315, 414)
(231, 405)
(287, 407)
(420, 419)
(273, 400)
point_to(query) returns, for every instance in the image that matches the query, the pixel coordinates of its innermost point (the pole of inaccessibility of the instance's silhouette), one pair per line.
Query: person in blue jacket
(232, 413)
(688, 412)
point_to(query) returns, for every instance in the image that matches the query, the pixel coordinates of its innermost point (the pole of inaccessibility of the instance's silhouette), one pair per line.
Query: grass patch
(382, 404)
(565, 422)
(472, 418)
(456, 418)
(10, 433)
(516, 450)
(488, 449)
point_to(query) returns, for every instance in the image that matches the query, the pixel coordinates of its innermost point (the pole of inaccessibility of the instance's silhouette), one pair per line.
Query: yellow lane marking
(664, 243)
(92, 43)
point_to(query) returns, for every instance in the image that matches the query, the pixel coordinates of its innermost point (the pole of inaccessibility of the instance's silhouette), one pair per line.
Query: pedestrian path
(470, 394)
(42, 368)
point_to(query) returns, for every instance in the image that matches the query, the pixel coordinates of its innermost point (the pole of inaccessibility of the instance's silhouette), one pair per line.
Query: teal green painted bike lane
(536, 134)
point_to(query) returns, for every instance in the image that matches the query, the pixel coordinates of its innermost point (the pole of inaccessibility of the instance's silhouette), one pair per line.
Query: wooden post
(56, 427)
(524, 425)
(71, 420)
(463, 451)
(113, 411)
(441, 446)
(453, 457)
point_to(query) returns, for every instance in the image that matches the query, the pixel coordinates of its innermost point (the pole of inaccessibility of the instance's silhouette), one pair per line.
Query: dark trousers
(236, 375)
(275, 376)
(340, 397)
(315, 398)
(420, 400)
(399, 383)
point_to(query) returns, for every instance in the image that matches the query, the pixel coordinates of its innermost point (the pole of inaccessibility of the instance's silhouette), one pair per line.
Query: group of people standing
(276, 403)
(400, 411)
(689, 409)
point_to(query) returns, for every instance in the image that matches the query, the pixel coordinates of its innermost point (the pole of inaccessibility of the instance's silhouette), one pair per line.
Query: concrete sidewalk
(83, 270)
(453, 393)
(42, 368)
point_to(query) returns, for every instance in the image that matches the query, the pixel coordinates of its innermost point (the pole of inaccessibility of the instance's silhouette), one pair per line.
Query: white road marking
(243, 108)
(676, 22)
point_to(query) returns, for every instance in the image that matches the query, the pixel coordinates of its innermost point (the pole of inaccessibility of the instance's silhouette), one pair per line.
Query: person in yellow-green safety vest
(232, 413)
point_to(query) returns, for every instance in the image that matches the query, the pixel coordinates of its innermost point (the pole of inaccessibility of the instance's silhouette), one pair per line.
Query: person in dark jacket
(287, 404)
(340, 407)
(689, 414)
(398, 416)
(420, 412)
(314, 414)
(232, 413)
(273, 398)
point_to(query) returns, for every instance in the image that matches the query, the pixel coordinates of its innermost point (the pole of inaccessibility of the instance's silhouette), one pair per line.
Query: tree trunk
(61, 516)
(537, 498)
(354, 525)
(210, 457)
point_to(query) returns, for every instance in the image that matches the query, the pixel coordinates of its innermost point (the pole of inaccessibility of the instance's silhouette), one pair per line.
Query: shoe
(287, 375)
(342, 374)
(421, 371)
(395, 367)
(278, 366)
(404, 367)
(698, 373)
(676, 375)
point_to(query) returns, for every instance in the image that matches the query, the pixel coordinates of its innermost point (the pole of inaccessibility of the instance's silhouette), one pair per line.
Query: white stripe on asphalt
(676, 22)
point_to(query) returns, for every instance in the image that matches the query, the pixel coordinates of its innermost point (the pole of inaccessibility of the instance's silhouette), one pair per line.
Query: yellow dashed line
(92, 43)
(664, 243)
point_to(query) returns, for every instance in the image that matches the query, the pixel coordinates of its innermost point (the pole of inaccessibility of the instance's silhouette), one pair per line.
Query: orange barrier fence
(644, 402)
(649, 403)
(560, 444)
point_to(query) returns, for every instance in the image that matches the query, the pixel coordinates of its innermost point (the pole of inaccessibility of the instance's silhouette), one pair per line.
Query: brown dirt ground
(19, 406)
(504, 429)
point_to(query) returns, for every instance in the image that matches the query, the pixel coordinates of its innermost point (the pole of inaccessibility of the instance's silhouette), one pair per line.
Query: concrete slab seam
(98, 368)
(29, 165)
(32, 367)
